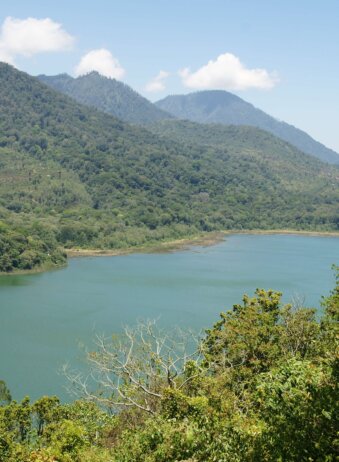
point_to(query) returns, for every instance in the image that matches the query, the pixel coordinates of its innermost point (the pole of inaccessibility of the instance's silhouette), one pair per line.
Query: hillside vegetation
(222, 107)
(107, 95)
(72, 176)
(262, 385)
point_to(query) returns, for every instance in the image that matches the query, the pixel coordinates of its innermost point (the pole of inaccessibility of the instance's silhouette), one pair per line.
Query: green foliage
(46, 410)
(72, 176)
(5, 394)
(298, 402)
(48, 431)
(177, 405)
(66, 441)
(331, 303)
(95, 422)
(28, 247)
(248, 336)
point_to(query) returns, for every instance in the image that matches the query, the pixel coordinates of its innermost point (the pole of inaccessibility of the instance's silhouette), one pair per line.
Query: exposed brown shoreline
(167, 246)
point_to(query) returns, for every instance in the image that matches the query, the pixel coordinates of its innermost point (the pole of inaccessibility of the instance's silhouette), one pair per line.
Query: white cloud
(157, 84)
(102, 61)
(227, 72)
(27, 37)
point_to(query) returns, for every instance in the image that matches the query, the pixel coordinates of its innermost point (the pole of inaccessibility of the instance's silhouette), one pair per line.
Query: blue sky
(282, 56)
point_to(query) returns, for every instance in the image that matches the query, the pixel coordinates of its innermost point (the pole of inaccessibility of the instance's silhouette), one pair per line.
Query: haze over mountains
(72, 176)
(222, 107)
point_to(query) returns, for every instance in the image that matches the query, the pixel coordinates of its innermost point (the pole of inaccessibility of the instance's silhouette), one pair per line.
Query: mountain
(72, 176)
(222, 107)
(107, 95)
(284, 157)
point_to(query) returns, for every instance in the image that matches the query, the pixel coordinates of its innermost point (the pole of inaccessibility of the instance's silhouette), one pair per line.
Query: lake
(48, 319)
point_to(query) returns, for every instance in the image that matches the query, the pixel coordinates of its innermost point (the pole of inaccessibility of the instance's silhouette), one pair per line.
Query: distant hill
(222, 107)
(72, 176)
(107, 95)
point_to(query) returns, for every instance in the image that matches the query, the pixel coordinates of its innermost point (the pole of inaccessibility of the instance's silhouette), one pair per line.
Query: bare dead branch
(133, 369)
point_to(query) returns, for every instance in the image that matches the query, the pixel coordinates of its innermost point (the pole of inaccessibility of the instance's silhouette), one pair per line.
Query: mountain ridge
(219, 106)
(108, 95)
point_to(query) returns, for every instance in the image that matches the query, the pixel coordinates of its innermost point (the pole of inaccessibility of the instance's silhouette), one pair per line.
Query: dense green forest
(222, 107)
(25, 247)
(72, 176)
(260, 385)
(107, 95)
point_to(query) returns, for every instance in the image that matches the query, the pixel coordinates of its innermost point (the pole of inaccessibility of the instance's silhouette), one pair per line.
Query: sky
(280, 55)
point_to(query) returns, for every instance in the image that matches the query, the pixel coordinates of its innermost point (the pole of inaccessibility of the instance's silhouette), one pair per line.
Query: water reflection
(11, 280)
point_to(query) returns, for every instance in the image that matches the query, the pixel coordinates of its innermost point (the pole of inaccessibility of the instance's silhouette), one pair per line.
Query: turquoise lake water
(48, 319)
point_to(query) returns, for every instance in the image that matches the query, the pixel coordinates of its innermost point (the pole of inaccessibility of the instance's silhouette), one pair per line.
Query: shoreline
(289, 231)
(205, 240)
(160, 247)
(37, 270)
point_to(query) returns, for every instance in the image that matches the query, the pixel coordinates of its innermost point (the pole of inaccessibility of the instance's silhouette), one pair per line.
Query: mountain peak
(222, 107)
(108, 95)
(94, 74)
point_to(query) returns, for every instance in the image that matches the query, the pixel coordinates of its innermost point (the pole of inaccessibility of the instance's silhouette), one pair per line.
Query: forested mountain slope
(222, 107)
(73, 176)
(107, 95)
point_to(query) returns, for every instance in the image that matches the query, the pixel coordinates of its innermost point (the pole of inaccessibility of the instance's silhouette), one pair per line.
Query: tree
(134, 369)
(254, 336)
(247, 335)
(5, 394)
(298, 404)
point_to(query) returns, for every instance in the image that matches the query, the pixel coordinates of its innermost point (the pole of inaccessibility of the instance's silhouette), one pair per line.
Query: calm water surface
(48, 319)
